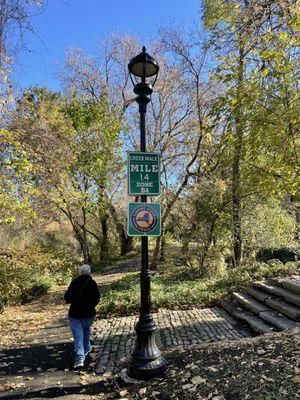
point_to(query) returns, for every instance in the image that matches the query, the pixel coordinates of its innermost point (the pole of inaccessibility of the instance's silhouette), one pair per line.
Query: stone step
(250, 303)
(279, 321)
(291, 284)
(286, 294)
(258, 294)
(240, 326)
(284, 308)
(252, 320)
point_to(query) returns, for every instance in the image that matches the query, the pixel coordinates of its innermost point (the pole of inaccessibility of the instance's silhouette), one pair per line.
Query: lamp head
(143, 66)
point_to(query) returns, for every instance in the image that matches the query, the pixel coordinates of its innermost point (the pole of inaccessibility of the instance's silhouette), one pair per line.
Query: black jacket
(83, 294)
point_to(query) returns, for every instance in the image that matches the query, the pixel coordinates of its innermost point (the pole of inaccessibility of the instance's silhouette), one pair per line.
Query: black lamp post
(146, 361)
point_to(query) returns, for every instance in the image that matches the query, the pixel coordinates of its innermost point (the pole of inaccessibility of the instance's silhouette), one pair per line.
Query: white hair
(85, 269)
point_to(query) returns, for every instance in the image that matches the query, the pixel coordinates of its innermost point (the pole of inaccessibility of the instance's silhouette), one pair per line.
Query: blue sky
(78, 23)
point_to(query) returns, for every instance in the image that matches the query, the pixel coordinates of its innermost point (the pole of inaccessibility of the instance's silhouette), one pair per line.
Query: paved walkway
(114, 338)
(36, 349)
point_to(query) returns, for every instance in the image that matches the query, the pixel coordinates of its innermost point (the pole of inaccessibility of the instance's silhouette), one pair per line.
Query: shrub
(267, 226)
(214, 264)
(283, 254)
(38, 286)
(27, 274)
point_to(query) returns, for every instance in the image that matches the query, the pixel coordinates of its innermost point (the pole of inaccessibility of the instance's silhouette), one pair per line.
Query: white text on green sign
(143, 173)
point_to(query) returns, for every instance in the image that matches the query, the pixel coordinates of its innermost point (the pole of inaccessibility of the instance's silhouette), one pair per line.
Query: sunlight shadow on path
(114, 338)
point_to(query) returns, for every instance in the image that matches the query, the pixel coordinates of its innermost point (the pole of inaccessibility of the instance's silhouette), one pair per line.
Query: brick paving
(114, 338)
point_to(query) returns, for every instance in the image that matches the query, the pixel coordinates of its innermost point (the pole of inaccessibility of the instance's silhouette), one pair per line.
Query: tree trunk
(82, 239)
(236, 211)
(236, 166)
(162, 247)
(104, 239)
(126, 242)
(81, 236)
(185, 245)
(297, 233)
(208, 242)
(87, 256)
(155, 254)
(86, 251)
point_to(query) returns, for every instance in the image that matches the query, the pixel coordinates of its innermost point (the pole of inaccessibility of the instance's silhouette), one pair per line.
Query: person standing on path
(83, 294)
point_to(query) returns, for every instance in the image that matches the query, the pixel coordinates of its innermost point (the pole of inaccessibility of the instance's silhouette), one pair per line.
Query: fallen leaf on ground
(211, 369)
(196, 380)
(296, 379)
(188, 386)
(143, 390)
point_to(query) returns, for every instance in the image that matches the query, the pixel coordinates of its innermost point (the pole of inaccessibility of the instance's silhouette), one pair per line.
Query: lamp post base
(148, 370)
(147, 361)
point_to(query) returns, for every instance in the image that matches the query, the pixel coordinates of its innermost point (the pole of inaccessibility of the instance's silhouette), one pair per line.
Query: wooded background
(224, 115)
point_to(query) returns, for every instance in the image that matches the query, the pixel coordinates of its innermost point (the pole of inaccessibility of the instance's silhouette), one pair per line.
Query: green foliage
(15, 180)
(205, 226)
(37, 286)
(266, 225)
(252, 271)
(214, 264)
(73, 147)
(257, 67)
(26, 275)
(180, 287)
(95, 144)
(215, 11)
(282, 254)
(62, 150)
(264, 93)
(120, 297)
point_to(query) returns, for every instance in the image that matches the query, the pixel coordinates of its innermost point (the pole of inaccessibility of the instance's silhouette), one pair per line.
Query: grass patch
(180, 287)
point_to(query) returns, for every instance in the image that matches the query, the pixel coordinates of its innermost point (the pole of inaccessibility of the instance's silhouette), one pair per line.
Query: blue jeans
(81, 330)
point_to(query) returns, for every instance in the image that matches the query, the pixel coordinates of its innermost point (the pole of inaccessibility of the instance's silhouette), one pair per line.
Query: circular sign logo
(144, 219)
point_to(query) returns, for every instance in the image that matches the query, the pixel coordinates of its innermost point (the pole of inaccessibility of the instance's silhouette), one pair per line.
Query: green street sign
(143, 173)
(144, 219)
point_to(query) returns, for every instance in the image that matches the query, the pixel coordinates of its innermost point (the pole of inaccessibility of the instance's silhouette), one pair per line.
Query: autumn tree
(73, 147)
(93, 77)
(203, 140)
(248, 38)
(15, 186)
